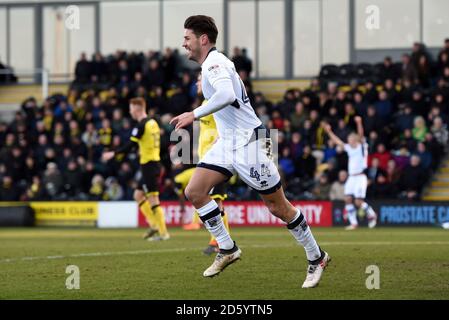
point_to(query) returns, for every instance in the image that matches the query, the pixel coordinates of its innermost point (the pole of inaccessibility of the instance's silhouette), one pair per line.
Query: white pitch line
(255, 246)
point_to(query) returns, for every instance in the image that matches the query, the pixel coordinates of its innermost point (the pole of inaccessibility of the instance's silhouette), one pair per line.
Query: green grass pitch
(118, 264)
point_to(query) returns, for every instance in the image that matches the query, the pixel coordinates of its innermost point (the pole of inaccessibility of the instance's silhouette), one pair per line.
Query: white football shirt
(236, 121)
(357, 158)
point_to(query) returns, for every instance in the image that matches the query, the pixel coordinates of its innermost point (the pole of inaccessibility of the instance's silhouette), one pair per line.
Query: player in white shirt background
(357, 182)
(243, 147)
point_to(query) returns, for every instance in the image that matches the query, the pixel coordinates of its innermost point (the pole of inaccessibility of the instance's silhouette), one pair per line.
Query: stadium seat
(364, 71)
(329, 72)
(346, 73)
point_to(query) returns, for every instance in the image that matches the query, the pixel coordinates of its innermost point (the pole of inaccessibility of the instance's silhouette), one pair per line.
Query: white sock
(211, 217)
(300, 230)
(352, 214)
(370, 214)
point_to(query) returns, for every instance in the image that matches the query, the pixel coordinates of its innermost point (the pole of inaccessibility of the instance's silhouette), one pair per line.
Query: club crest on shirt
(214, 70)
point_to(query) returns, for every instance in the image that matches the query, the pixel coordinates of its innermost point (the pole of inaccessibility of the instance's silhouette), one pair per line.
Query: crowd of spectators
(53, 151)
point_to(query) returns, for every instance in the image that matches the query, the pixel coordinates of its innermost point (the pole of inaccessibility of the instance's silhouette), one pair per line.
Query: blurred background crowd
(53, 151)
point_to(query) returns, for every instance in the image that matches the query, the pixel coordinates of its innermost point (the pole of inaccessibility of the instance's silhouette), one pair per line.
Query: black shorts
(150, 177)
(219, 191)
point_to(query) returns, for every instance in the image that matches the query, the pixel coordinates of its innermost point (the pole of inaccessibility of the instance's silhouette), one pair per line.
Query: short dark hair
(200, 25)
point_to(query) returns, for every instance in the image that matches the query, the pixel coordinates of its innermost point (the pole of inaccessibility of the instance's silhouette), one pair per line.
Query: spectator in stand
(412, 179)
(387, 70)
(419, 129)
(72, 182)
(329, 151)
(360, 105)
(418, 104)
(8, 190)
(306, 164)
(424, 156)
(97, 191)
(443, 51)
(371, 94)
(296, 145)
(372, 122)
(36, 190)
(261, 112)
(383, 106)
(113, 190)
(382, 188)
(424, 72)
(52, 181)
(286, 162)
(440, 132)
(408, 70)
(322, 188)
(168, 64)
(247, 63)
(298, 117)
(342, 131)
(155, 76)
(337, 190)
(408, 141)
(179, 101)
(418, 51)
(373, 171)
(393, 173)
(382, 154)
(83, 70)
(98, 68)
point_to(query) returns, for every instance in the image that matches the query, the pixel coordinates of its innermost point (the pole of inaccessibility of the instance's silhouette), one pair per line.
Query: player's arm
(328, 129)
(359, 124)
(124, 149)
(224, 95)
(127, 147)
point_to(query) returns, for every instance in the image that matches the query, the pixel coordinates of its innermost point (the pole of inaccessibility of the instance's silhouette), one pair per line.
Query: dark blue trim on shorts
(214, 167)
(270, 190)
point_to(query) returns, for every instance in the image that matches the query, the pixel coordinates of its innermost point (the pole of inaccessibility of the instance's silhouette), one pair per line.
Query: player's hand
(358, 119)
(108, 156)
(183, 120)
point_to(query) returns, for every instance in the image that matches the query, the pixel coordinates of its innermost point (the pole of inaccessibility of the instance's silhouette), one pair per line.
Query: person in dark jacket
(413, 178)
(8, 191)
(83, 70)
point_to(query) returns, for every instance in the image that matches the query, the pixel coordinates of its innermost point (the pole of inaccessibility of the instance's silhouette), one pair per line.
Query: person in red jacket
(383, 155)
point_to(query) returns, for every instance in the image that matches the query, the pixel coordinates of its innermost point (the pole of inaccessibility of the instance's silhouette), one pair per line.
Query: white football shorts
(253, 162)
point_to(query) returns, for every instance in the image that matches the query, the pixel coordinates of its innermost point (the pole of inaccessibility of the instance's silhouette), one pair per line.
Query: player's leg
(218, 194)
(350, 209)
(205, 177)
(257, 169)
(360, 202)
(145, 208)
(212, 246)
(181, 180)
(159, 214)
(150, 175)
(351, 212)
(300, 230)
